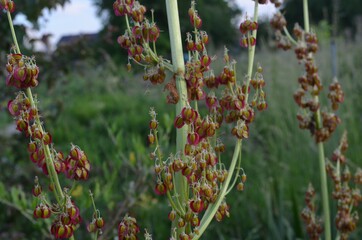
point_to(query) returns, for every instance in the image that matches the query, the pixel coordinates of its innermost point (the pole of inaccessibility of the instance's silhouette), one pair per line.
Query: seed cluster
(310, 83)
(22, 71)
(312, 222)
(128, 229)
(7, 5)
(22, 74)
(348, 197)
(307, 98)
(227, 101)
(139, 39)
(67, 217)
(67, 220)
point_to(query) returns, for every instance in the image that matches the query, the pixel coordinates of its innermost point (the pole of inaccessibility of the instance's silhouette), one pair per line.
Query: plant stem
(289, 36)
(322, 164)
(180, 181)
(324, 185)
(211, 210)
(251, 51)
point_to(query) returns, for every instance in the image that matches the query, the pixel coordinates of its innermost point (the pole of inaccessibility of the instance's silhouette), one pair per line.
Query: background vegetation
(103, 109)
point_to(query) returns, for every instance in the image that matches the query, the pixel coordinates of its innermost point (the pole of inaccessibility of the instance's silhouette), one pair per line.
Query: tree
(346, 12)
(32, 9)
(217, 21)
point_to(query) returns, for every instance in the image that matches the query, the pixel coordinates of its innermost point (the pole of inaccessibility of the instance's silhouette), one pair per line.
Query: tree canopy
(217, 19)
(320, 10)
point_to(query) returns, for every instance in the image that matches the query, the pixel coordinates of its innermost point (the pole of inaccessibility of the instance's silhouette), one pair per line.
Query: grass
(105, 111)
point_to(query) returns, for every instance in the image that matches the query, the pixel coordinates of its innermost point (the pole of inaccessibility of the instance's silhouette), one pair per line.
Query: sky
(80, 16)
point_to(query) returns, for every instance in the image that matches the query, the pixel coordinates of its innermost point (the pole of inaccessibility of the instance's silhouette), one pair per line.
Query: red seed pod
(240, 186)
(153, 124)
(59, 166)
(47, 138)
(172, 215)
(191, 46)
(178, 165)
(32, 147)
(193, 138)
(91, 227)
(244, 42)
(199, 46)
(151, 138)
(187, 114)
(9, 68)
(22, 125)
(181, 222)
(244, 26)
(262, 106)
(36, 190)
(99, 222)
(205, 38)
(195, 221)
(205, 60)
(211, 101)
(37, 212)
(188, 149)
(197, 205)
(218, 216)
(45, 211)
(13, 108)
(187, 171)
(243, 177)
(179, 122)
(154, 33)
(73, 211)
(160, 188)
(75, 153)
(253, 26)
(20, 74)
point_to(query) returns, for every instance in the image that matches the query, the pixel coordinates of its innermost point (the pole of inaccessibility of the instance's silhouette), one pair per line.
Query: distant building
(70, 40)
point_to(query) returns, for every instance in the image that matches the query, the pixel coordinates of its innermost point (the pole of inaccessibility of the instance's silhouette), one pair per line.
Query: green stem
(324, 185)
(236, 175)
(321, 155)
(306, 15)
(289, 36)
(180, 181)
(15, 40)
(212, 209)
(251, 52)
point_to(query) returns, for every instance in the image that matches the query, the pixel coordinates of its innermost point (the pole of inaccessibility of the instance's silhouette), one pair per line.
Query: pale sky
(80, 16)
(248, 6)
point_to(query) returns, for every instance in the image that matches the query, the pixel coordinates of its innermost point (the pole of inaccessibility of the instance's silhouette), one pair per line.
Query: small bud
(240, 186)
(172, 215)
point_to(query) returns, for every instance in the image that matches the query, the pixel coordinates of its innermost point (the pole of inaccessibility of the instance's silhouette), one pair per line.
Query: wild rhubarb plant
(321, 122)
(23, 75)
(196, 177)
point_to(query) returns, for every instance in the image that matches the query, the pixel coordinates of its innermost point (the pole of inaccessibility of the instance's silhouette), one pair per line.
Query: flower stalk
(178, 69)
(321, 155)
(48, 156)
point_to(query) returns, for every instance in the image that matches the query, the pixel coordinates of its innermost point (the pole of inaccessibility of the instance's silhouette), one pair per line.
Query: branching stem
(321, 155)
